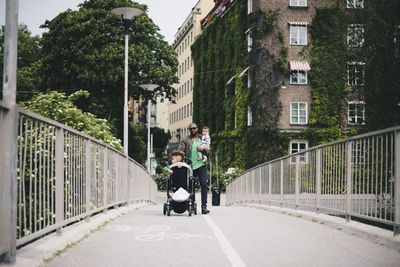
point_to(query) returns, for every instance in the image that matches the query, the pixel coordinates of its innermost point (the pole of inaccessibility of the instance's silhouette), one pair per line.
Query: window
(298, 35)
(298, 77)
(249, 40)
(249, 6)
(184, 111)
(190, 108)
(249, 116)
(191, 84)
(299, 3)
(355, 3)
(298, 113)
(187, 110)
(297, 146)
(355, 73)
(355, 36)
(356, 113)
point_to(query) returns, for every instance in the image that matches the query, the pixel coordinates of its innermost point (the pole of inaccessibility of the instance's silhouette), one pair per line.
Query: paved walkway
(229, 236)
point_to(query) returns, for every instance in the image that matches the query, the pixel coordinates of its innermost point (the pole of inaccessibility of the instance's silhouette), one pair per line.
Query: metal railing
(64, 176)
(357, 176)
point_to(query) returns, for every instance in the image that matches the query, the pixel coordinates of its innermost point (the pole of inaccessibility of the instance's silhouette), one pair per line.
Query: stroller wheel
(190, 210)
(168, 210)
(165, 208)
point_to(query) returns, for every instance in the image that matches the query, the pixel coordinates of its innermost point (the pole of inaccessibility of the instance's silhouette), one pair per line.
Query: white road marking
(227, 248)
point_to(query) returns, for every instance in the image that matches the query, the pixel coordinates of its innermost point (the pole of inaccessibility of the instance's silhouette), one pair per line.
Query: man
(190, 145)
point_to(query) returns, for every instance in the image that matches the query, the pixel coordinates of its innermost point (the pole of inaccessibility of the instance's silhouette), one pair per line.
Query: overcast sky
(167, 14)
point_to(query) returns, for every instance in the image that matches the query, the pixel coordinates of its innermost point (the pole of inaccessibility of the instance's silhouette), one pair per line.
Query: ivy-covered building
(277, 77)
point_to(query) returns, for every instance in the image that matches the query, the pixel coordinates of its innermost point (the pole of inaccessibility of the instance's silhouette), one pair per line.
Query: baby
(205, 143)
(176, 156)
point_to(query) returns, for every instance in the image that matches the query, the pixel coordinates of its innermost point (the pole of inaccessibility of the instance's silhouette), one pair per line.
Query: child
(205, 143)
(176, 156)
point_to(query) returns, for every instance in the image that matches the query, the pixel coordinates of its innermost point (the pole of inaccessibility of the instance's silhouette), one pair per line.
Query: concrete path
(229, 236)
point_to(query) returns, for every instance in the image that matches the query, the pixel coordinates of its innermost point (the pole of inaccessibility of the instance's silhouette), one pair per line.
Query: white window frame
(354, 3)
(356, 116)
(298, 74)
(299, 115)
(298, 3)
(303, 157)
(355, 80)
(249, 6)
(249, 116)
(249, 41)
(356, 29)
(296, 40)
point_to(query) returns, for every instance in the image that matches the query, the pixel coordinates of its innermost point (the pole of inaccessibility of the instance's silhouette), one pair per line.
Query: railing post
(397, 185)
(281, 190)
(297, 189)
(8, 153)
(348, 179)
(260, 192)
(269, 183)
(59, 178)
(318, 178)
(105, 179)
(88, 176)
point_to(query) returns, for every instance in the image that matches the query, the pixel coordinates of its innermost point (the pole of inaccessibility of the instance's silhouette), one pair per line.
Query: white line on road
(227, 248)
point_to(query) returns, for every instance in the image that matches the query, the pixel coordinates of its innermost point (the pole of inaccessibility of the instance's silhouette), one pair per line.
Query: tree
(84, 49)
(29, 62)
(61, 108)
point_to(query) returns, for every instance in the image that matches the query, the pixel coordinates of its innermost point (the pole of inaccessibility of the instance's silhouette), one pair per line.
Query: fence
(64, 176)
(357, 176)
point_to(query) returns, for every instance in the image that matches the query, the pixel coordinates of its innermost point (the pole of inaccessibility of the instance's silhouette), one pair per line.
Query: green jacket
(186, 145)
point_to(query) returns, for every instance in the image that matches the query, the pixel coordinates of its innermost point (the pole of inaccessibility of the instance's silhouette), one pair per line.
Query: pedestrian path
(229, 236)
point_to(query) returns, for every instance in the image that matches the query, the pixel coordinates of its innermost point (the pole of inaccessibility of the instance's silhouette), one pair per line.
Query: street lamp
(150, 88)
(127, 14)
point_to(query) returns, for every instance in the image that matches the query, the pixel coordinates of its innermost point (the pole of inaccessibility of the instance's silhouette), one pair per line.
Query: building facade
(181, 109)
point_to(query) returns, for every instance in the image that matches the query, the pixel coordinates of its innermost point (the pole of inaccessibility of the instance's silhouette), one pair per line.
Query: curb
(46, 248)
(377, 235)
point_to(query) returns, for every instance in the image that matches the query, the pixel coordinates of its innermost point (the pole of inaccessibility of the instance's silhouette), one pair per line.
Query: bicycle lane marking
(226, 246)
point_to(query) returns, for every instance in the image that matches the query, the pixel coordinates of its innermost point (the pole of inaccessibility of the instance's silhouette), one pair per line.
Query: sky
(167, 14)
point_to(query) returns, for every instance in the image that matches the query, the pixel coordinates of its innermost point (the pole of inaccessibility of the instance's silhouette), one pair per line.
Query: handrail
(64, 176)
(357, 177)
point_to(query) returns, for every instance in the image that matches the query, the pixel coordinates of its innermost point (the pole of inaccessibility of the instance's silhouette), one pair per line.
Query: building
(181, 110)
(266, 91)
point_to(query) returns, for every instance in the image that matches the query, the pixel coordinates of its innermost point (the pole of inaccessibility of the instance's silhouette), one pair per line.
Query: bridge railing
(357, 176)
(64, 176)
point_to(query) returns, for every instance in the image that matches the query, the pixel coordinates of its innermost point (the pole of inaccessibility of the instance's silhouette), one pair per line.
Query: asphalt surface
(228, 236)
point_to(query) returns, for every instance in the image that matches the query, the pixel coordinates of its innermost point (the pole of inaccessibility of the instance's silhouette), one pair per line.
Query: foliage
(381, 53)
(84, 49)
(61, 108)
(28, 62)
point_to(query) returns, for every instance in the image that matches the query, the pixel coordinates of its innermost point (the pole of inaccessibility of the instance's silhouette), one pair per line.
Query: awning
(243, 72)
(230, 80)
(300, 23)
(299, 65)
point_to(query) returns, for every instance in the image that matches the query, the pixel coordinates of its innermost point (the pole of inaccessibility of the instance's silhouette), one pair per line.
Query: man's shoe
(205, 211)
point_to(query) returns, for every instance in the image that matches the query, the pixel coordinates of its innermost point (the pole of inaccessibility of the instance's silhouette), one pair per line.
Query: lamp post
(127, 14)
(150, 88)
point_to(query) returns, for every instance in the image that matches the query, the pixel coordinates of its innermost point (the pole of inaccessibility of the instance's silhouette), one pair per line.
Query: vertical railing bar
(59, 149)
(21, 178)
(23, 229)
(349, 181)
(40, 142)
(393, 172)
(386, 173)
(281, 184)
(396, 228)
(368, 173)
(53, 180)
(35, 181)
(381, 176)
(356, 174)
(105, 179)
(318, 178)
(362, 170)
(296, 189)
(88, 178)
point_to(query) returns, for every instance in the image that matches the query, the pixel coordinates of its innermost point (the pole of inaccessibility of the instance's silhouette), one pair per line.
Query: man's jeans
(201, 174)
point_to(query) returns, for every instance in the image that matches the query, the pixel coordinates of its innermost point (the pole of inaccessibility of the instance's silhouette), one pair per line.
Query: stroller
(181, 178)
